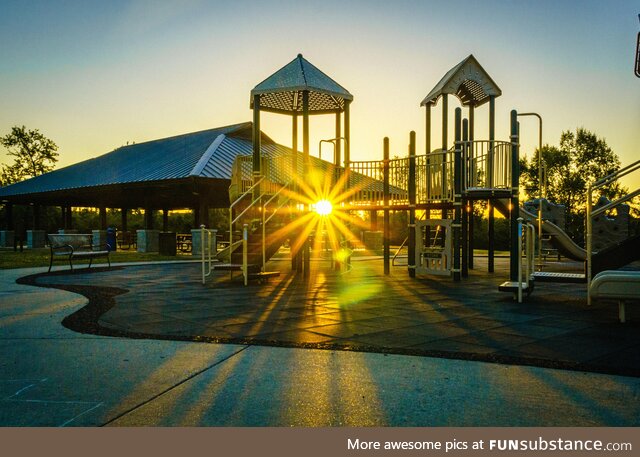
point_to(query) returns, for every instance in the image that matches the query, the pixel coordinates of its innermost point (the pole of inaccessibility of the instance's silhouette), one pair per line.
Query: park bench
(75, 246)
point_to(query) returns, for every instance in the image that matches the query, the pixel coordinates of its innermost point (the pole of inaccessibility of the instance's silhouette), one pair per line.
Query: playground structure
(274, 192)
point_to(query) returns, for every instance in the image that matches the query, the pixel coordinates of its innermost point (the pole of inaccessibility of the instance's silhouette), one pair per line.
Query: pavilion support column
(165, 220)
(204, 214)
(37, 210)
(8, 216)
(306, 259)
(103, 218)
(62, 216)
(68, 218)
(196, 216)
(148, 219)
(123, 219)
(7, 234)
(296, 261)
(373, 220)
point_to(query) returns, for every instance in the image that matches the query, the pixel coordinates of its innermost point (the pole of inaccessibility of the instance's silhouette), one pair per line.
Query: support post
(515, 203)
(148, 219)
(465, 201)
(347, 134)
(123, 219)
(412, 205)
(491, 236)
(257, 147)
(470, 151)
(36, 217)
(338, 135)
(103, 218)
(306, 172)
(165, 220)
(445, 143)
(8, 212)
(457, 195)
(386, 240)
(68, 223)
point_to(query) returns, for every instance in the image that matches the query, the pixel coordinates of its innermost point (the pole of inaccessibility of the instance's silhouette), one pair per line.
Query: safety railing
(526, 240)
(281, 199)
(208, 244)
(592, 212)
(487, 165)
(434, 177)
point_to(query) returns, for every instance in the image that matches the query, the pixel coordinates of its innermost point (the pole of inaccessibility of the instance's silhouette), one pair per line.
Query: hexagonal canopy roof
(282, 91)
(468, 81)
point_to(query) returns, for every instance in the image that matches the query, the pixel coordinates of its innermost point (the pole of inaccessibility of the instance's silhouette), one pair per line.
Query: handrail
(250, 189)
(266, 220)
(616, 174)
(393, 260)
(592, 213)
(205, 248)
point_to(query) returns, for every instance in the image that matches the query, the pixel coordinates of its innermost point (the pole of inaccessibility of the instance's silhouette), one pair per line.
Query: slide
(559, 238)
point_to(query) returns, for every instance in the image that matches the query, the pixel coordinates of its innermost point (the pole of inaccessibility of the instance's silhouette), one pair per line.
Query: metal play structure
(274, 191)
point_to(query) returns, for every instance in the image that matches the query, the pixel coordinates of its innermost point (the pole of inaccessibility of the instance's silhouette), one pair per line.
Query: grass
(40, 258)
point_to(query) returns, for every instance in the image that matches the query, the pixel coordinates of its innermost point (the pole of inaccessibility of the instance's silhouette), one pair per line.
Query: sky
(95, 75)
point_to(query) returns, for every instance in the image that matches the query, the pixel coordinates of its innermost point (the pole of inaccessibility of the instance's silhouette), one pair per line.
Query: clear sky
(94, 75)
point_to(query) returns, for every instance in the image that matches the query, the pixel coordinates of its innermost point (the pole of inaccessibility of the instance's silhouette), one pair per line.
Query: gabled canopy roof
(468, 81)
(282, 91)
(167, 172)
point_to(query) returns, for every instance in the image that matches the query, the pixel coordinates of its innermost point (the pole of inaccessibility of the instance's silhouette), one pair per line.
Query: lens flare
(324, 207)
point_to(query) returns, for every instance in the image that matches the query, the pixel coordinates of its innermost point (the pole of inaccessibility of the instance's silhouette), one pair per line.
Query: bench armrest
(67, 248)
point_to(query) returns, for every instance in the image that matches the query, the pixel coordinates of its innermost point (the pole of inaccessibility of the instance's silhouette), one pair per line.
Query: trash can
(111, 238)
(167, 243)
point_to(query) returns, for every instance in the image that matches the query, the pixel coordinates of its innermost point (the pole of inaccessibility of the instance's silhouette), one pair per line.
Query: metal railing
(527, 232)
(265, 220)
(208, 239)
(593, 213)
(487, 165)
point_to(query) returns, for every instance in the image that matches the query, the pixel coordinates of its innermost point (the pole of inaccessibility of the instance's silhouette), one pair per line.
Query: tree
(34, 155)
(581, 158)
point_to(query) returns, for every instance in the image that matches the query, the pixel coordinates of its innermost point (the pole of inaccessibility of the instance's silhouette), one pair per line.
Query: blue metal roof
(206, 154)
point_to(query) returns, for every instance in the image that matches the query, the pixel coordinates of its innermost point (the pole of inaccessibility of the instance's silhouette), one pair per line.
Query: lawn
(40, 258)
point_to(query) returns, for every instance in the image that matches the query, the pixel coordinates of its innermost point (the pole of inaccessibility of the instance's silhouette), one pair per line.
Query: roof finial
(299, 55)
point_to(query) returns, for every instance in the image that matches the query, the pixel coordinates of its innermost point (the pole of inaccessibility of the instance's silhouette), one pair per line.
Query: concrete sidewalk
(52, 376)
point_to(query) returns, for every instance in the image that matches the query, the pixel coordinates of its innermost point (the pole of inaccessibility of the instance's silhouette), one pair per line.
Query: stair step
(264, 275)
(252, 268)
(548, 276)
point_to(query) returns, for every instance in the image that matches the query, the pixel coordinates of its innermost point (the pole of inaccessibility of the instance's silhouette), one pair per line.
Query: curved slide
(559, 238)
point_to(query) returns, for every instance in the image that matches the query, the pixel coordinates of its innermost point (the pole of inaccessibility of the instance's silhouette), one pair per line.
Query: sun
(323, 207)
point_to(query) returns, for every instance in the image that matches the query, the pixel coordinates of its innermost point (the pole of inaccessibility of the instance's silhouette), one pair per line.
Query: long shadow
(102, 298)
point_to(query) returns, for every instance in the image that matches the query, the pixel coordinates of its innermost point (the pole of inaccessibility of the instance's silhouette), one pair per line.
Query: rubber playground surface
(361, 310)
